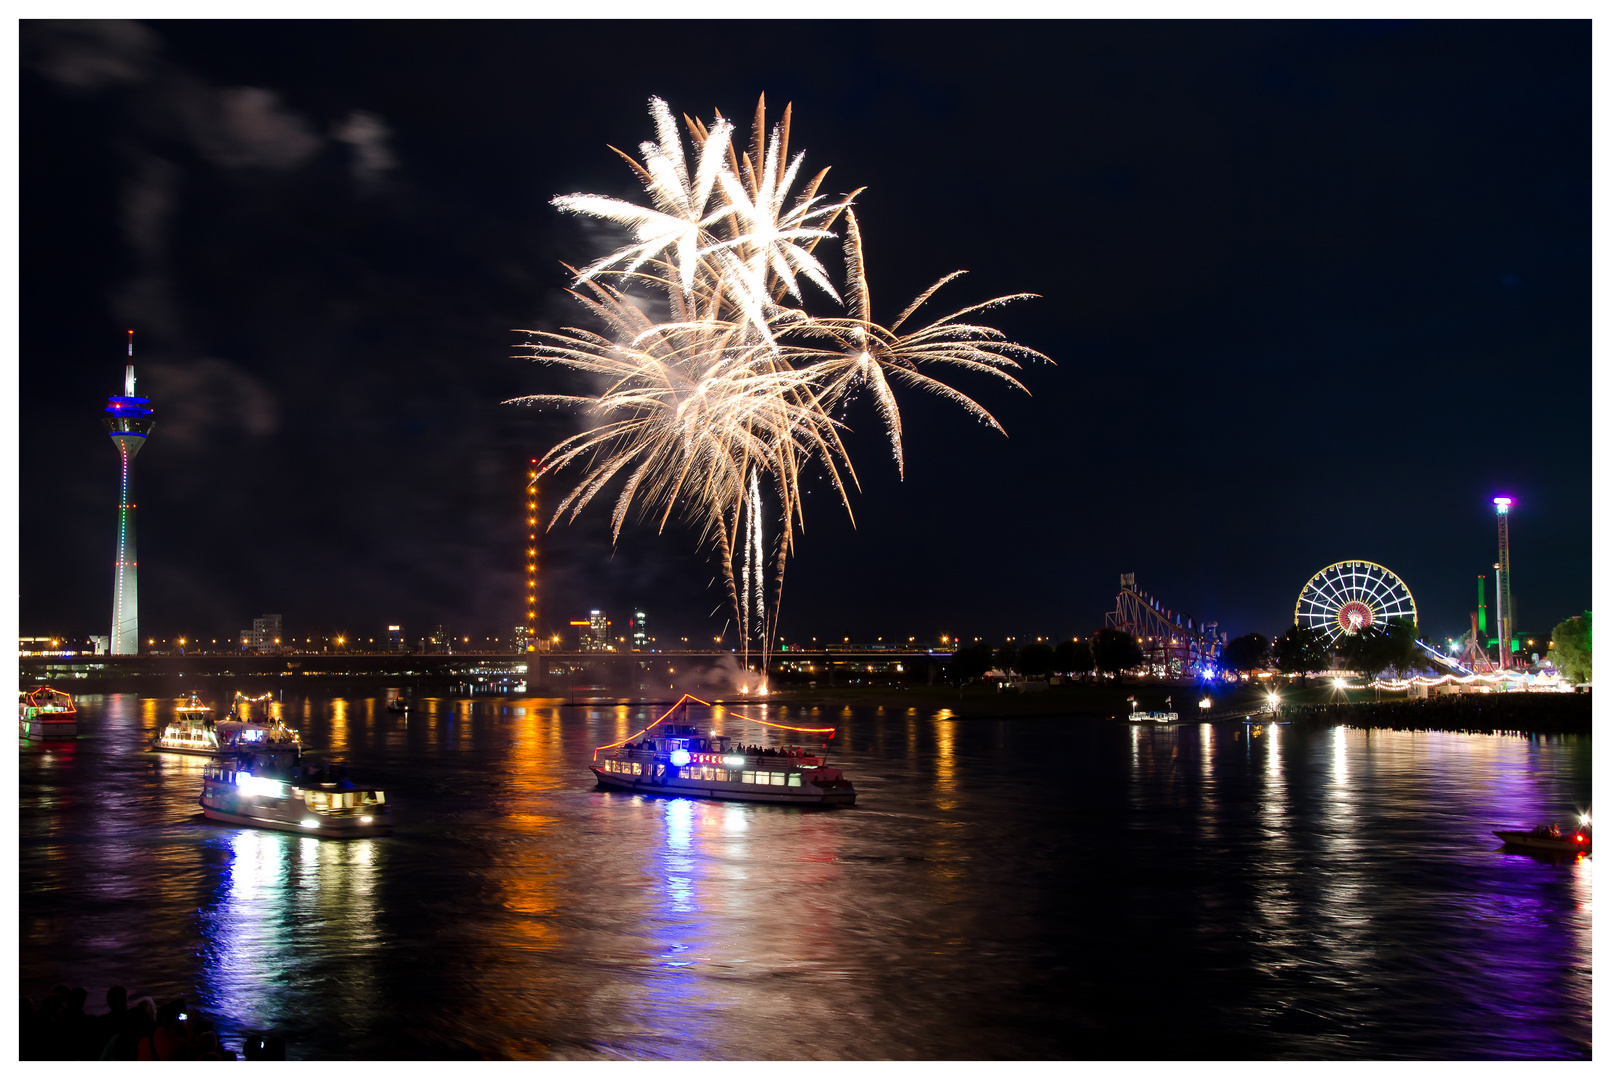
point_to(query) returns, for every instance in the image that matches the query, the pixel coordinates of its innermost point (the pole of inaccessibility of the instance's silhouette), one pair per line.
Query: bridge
(556, 670)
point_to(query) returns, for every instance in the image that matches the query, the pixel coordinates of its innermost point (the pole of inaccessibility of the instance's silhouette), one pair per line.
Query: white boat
(679, 759)
(1154, 718)
(247, 727)
(275, 789)
(44, 713)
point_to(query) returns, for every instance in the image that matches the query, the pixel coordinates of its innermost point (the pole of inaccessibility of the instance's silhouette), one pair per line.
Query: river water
(1023, 888)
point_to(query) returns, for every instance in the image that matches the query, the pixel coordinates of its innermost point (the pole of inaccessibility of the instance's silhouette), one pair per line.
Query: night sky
(1315, 291)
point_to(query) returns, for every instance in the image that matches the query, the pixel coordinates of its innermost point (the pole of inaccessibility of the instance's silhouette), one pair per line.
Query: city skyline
(1246, 390)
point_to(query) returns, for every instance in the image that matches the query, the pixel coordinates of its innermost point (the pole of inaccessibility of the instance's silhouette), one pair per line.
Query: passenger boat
(194, 731)
(1550, 838)
(1154, 718)
(44, 713)
(276, 789)
(679, 759)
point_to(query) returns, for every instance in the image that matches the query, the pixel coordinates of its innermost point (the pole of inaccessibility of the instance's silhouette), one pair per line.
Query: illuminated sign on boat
(681, 757)
(260, 785)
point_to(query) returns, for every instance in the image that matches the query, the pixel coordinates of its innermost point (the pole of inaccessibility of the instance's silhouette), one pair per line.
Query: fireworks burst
(737, 391)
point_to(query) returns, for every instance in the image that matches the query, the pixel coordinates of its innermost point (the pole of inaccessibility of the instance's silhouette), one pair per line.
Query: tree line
(1301, 651)
(1111, 651)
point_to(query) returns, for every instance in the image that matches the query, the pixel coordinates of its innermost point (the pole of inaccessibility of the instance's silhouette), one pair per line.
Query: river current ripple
(1023, 888)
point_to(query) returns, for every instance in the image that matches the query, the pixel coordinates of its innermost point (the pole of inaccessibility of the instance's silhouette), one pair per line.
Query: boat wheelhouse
(277, 789)
(45, 713)
(680, 759)
(247, 727)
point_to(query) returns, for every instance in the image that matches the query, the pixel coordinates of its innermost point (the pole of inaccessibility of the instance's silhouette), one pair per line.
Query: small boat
(397, 704)
(1550, 838)
(1154, 718)
(194, 731)
(681, 760)
(44, 713)
(277, 789)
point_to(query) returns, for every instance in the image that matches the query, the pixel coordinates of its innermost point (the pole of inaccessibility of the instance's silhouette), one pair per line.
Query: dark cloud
(369, 138)
(203, 398)
(246, 127)
(90, 54)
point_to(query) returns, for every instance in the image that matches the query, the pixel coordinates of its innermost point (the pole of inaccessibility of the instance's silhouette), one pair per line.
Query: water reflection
(1003, 889)
(267, 927)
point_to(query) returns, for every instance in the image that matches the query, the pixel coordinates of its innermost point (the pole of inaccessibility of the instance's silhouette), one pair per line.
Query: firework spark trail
(742, 381)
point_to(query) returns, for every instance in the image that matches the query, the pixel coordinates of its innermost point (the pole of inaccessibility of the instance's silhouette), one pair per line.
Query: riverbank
(1320, 703)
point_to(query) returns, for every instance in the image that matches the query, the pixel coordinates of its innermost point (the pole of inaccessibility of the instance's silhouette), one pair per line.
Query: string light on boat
(740, 716)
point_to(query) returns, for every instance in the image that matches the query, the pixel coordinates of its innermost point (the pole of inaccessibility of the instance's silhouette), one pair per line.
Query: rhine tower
(128, 421)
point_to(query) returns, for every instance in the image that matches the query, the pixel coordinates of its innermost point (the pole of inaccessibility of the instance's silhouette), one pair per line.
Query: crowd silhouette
(59, 1029)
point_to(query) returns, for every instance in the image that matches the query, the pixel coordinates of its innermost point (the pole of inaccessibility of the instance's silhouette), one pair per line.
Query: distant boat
(44, 713)
(193, 730)
(1154, 718)
(397, 704)
(1550, 838)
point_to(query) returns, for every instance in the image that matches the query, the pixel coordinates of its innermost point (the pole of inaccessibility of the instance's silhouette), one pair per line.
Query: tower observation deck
(128, 421)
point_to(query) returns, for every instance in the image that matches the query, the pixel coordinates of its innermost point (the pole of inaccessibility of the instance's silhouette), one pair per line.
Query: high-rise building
(394, 638)
(129, 422)
(264, 636)
(639, 625)
(593, 632)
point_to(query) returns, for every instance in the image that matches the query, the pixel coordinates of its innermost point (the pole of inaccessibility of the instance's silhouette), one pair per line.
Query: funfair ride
(1348, 597)
(1175, 645)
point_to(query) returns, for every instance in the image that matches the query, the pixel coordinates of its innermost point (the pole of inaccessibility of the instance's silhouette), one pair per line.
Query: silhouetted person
(138, 1022)
(109, 1023)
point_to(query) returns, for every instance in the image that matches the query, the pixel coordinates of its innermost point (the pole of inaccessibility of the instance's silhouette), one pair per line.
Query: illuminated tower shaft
(531, 562)
(128, 422)
(1503, 615)
(1482, 606)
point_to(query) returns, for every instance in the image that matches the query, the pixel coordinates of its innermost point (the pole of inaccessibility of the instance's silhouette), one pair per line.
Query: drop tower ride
(128, 421)
(1505, 616)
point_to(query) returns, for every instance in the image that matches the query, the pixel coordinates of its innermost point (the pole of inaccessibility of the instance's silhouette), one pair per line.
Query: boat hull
(289, 814)
(324, 831)
(43, 730)
(712, 789)
(1565, 845)
(188, 751)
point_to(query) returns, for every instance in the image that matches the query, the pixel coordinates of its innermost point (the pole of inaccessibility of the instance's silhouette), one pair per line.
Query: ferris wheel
(1347, 597)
